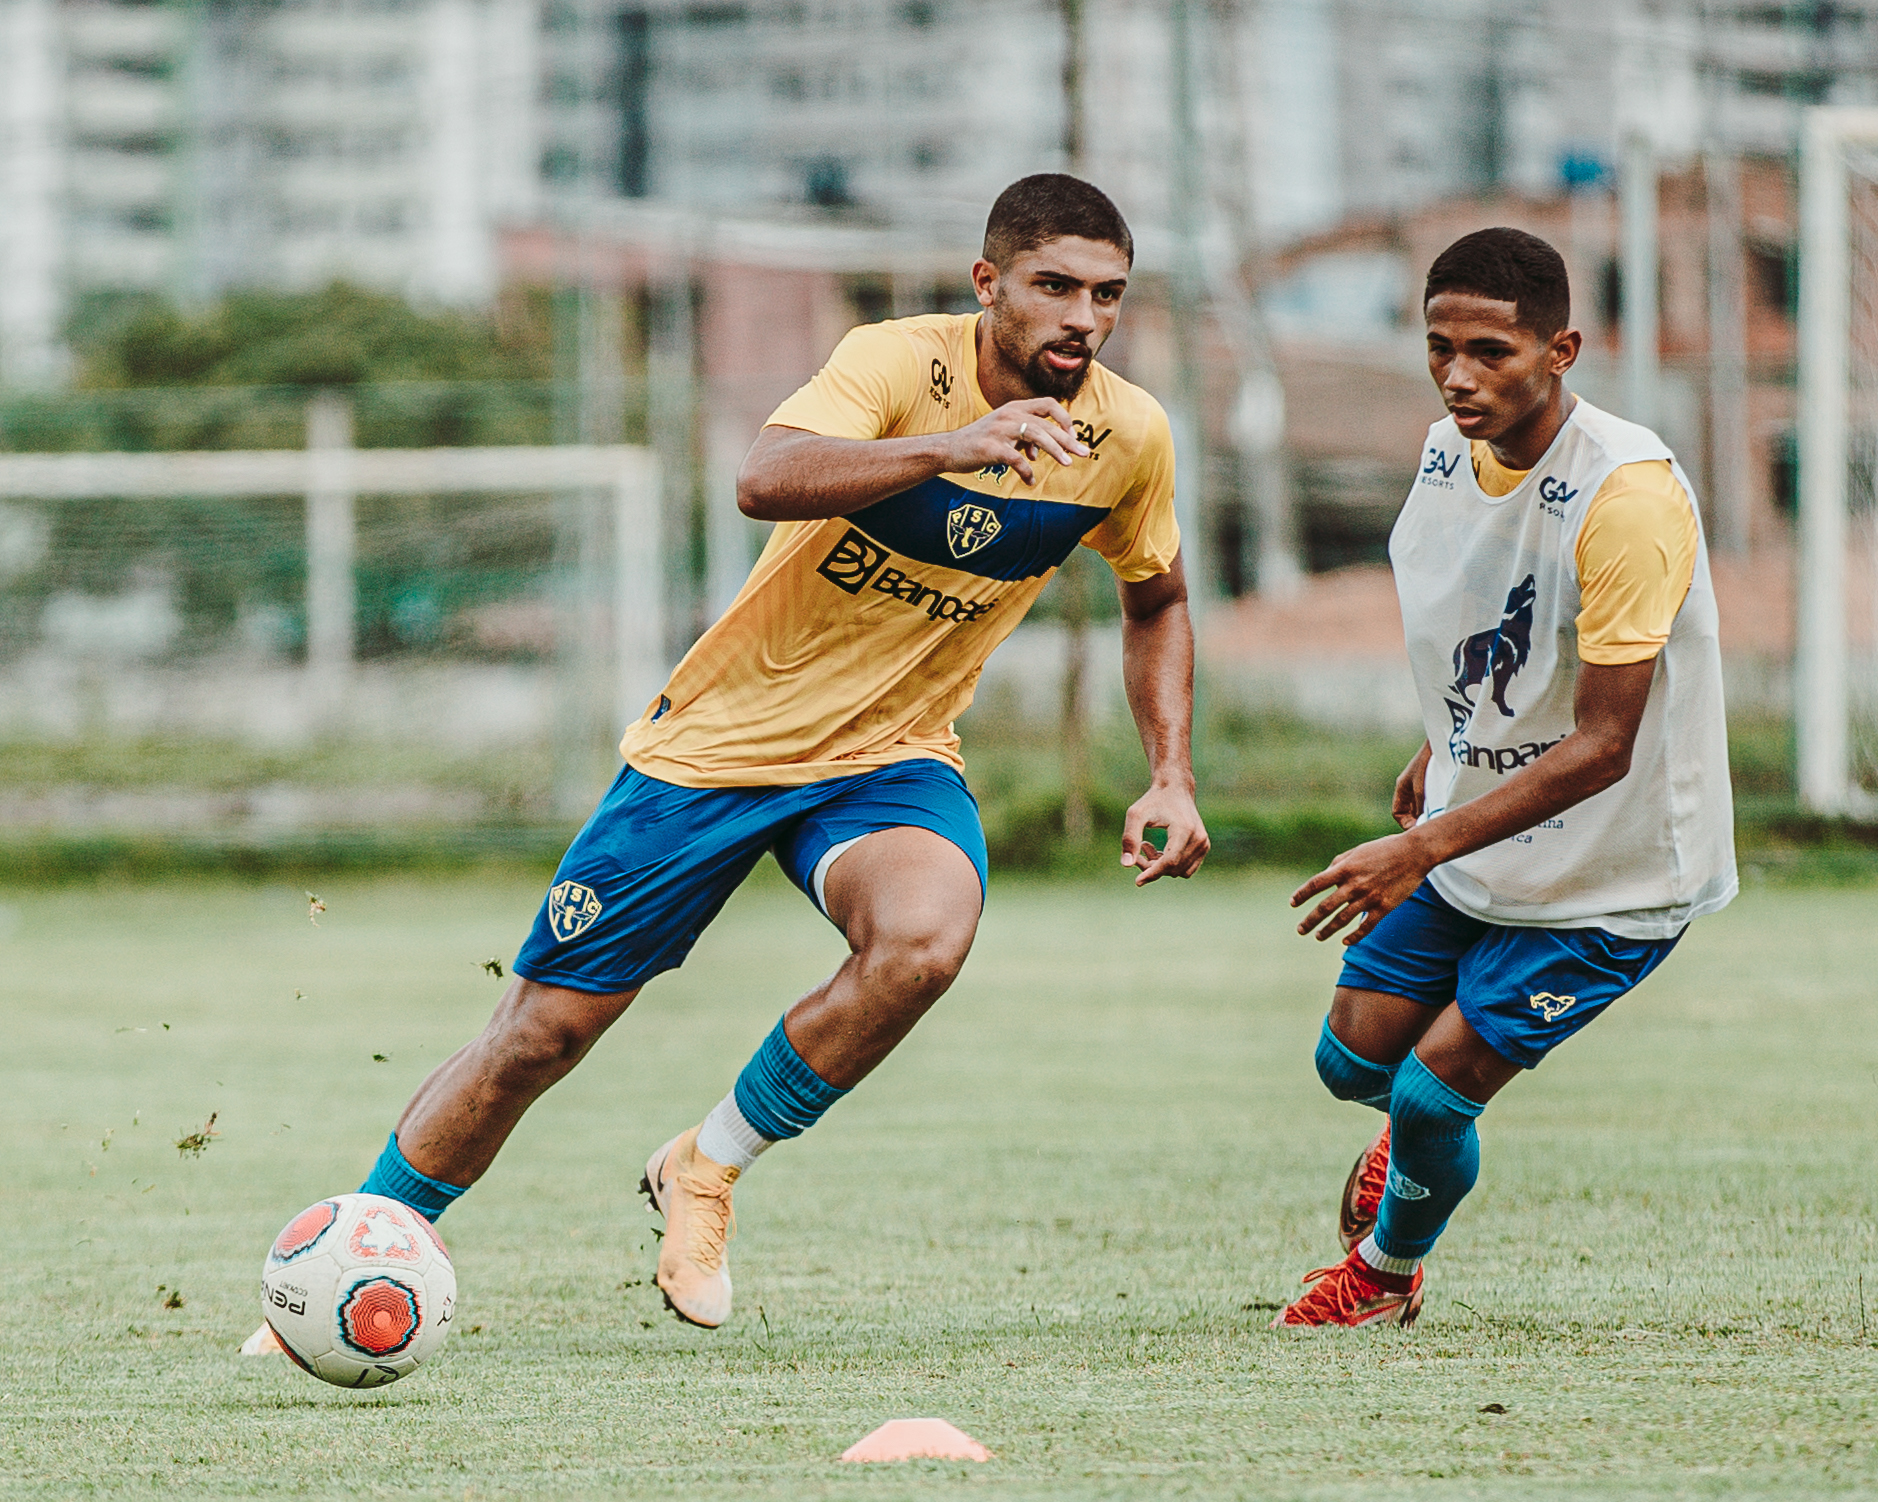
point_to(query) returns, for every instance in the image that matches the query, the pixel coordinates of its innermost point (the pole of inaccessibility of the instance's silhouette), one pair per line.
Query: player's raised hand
(1172, 809)
(1411, 789)
(1016, 434)
(1366, 883)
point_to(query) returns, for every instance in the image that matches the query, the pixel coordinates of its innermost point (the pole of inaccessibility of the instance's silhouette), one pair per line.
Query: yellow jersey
(858, 639)
(1635, 555)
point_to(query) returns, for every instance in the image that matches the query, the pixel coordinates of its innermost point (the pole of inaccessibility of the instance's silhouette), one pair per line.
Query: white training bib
(1489, 592)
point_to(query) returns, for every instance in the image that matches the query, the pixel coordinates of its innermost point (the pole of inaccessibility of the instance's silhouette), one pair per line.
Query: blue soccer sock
(393, 1177)
(1434, 1158)
(778, 1094)
(1349, 1076)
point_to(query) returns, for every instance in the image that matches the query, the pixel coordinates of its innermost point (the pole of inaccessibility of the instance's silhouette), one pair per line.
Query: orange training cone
(917, 1439)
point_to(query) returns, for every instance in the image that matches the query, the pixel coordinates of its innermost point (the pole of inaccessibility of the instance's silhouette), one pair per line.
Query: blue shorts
(656, 863)
(1524, 990)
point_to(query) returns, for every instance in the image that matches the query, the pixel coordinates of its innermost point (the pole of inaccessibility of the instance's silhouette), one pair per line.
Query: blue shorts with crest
(656, 862)
(1524, 990)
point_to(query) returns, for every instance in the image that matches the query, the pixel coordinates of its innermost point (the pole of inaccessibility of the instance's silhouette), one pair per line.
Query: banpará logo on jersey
(1438, 468)
(1500, 759)
(1500, 651)
(970, 527)
(941, 384)
(1549, 1006)
(572, 909)
(854, 563)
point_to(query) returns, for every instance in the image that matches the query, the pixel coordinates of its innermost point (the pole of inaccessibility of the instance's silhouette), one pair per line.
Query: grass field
(1059, 1217)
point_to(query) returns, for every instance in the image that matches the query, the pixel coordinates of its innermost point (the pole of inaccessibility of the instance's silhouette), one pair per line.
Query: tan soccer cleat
(264, 1342)
(1362, 1192)
(693, 1194)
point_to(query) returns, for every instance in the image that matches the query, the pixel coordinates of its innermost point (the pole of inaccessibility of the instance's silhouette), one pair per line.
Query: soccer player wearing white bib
(1569, 814)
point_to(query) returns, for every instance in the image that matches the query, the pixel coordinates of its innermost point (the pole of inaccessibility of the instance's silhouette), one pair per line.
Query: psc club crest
(572, 909)
(970, 527)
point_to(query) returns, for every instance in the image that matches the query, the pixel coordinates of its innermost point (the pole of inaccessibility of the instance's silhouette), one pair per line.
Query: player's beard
(1039, 377)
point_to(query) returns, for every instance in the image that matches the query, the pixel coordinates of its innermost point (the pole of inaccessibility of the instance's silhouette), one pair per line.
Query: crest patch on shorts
(572, 909)
(1549, 1006)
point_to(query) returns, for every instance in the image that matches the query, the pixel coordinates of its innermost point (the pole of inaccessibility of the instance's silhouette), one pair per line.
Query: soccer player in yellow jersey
(924, 486)
(1569, 814)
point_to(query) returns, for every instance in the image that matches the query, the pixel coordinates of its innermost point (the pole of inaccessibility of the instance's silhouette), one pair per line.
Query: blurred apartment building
(184, 148)
(748, 179)
(190, 146)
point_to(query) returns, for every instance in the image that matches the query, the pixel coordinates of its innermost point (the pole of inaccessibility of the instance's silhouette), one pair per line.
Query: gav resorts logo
(941, 384)
(855, 562)
(572, 909)
(1498, 652)
(1549, 1006)
(1438, 468)
(970, 527)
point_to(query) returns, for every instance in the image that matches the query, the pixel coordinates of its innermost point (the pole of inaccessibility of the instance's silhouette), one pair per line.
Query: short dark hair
(1507, 265)
(1049, 206)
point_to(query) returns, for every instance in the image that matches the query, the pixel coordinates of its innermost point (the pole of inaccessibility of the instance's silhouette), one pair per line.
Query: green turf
(1058, 1217)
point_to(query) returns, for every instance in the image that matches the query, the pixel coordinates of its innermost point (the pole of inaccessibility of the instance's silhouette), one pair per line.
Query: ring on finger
(1022, 429)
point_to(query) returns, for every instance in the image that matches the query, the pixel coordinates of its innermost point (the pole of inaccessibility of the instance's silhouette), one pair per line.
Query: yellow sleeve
(862, 392)
(1636, 558)
(1140, 537)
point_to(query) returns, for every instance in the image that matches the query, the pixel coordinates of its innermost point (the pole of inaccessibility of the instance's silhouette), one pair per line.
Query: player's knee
(916, 959)
(1349, 1076)
(530, 1047)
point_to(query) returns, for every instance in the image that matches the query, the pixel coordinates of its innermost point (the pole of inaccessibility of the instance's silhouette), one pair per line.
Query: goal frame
(1822, 719)
(331, 474)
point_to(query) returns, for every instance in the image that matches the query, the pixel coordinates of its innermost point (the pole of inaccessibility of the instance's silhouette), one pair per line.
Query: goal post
(1837, 428)
(619, 669)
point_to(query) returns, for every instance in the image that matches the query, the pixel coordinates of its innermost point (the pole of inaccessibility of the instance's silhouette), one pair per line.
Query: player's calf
(908, 903)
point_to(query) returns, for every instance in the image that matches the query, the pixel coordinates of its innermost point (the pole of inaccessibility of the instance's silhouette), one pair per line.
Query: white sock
(1376, 1257)
(727, 1138)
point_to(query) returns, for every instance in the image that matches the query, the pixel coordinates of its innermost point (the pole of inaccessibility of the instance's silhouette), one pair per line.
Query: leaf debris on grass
(197, 1143)
(172, 1297)
(381, 1058)
(314, 907)
(492, 966)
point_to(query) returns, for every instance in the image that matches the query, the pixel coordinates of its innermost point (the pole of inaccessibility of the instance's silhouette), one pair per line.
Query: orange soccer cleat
(1362, 1191)
(693, 1194)
(1354, 1293)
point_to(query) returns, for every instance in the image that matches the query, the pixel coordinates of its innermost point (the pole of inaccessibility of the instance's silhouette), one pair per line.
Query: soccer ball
(359, 1289)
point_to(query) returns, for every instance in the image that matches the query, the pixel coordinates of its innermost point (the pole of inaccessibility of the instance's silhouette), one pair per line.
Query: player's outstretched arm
(1369, 881)
(791, 475)
(1157, 668)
